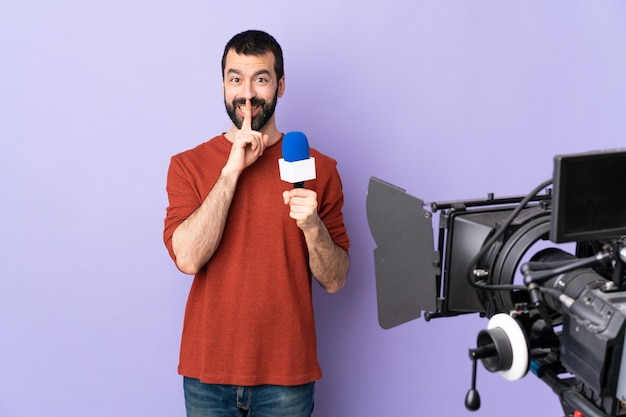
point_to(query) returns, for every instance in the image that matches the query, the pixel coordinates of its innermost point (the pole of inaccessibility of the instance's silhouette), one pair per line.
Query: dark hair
(256, 42)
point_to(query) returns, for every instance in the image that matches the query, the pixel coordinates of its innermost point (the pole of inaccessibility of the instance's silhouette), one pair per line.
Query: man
(253, 243)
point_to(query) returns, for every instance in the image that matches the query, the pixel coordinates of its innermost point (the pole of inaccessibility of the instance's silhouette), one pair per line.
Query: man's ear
(281, 86)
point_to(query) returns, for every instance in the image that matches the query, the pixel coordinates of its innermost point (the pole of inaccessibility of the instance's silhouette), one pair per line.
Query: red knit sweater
(249, 316)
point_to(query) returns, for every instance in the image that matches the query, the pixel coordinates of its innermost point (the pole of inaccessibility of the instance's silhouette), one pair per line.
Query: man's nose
(248, 90)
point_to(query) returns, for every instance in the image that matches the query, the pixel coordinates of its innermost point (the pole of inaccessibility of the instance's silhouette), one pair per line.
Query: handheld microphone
(296, 165)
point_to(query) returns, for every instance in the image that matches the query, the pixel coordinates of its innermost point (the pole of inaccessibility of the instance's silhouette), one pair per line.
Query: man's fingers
(247, 116)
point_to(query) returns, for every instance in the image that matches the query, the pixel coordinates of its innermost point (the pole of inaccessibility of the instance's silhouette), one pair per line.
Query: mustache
(255, 102)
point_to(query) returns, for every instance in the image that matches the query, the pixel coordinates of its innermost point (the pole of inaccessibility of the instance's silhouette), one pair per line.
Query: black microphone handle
(299, 184)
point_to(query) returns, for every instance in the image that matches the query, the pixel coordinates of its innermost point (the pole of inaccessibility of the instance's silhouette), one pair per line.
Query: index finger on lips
(247, 116)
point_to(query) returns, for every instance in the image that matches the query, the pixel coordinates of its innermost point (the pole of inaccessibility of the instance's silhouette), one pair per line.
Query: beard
(266, 111)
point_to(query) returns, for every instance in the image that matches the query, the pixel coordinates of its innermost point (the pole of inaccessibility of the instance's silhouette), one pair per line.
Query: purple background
(448, 99)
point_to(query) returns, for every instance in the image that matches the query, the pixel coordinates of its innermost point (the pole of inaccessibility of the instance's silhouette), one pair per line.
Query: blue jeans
(210, 400)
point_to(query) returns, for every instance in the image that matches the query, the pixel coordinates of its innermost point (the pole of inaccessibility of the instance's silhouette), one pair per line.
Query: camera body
(564, 310)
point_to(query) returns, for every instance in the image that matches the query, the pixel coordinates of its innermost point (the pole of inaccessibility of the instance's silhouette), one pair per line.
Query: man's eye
(235, 80)
(261, 80)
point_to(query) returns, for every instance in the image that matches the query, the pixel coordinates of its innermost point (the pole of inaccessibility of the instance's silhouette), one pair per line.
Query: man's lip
(242, 110)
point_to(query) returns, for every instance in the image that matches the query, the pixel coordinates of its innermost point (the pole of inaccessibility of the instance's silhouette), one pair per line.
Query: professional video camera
(566, 320)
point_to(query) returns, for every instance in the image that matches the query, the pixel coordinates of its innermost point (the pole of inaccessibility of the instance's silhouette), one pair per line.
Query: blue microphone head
(295, 147)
